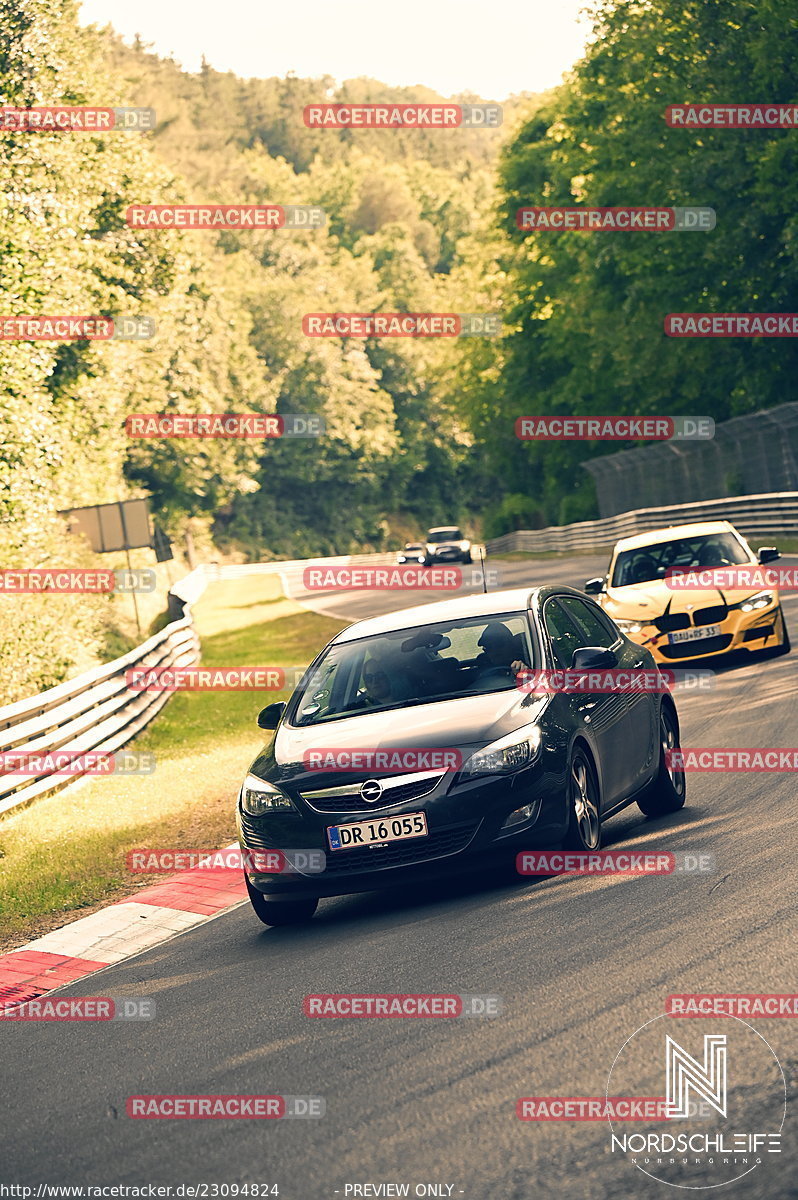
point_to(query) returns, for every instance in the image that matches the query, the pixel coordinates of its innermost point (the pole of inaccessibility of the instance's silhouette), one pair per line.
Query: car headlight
(760, 600)
(464, 544)
(259, 797)
(508, 754)
(628, 626)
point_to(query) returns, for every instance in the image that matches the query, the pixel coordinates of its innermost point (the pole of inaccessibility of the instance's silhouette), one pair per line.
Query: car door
(599, 713)
(636, 732)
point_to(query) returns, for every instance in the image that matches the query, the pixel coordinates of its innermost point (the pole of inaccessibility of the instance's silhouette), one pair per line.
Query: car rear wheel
(280, 912)
(668, 791)
(584, 820)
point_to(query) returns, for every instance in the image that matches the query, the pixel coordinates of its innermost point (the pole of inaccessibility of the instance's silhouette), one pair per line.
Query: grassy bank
(65, 854)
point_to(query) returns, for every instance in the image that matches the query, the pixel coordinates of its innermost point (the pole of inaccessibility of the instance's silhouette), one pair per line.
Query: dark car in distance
(521, 769)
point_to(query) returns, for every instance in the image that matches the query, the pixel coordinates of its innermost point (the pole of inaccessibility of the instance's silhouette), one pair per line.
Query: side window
(589, 621)
(563, 635)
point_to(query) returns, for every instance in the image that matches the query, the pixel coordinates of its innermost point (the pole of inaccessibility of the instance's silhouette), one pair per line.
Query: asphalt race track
(580, 964)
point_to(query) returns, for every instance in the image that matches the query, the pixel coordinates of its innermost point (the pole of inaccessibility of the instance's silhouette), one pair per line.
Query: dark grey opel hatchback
(411, 749)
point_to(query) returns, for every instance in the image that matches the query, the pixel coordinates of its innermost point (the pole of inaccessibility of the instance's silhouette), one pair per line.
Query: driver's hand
(518, 666)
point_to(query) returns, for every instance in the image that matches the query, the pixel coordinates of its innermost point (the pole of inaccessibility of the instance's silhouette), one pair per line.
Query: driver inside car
(500, 651)
(383, 684)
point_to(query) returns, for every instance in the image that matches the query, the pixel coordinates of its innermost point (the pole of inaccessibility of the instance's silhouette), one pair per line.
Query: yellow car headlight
(628, 626)
(760, 600)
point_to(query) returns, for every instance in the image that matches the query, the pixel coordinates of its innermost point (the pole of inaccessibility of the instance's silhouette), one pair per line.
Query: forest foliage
(418, 431)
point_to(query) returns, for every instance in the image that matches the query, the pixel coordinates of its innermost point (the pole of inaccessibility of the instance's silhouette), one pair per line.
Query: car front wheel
(667, 793)
(584, 820)
(280, 912)
(785, 647)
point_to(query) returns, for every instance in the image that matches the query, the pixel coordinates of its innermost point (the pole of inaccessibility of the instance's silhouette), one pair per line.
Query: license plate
(694, 635)
(377, 832)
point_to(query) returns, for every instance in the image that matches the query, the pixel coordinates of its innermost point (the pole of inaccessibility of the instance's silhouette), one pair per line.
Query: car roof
(673, 531)
(510, 600)
(441, 528)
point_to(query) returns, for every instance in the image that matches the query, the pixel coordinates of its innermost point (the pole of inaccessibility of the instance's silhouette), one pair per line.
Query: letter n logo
(684, 1072)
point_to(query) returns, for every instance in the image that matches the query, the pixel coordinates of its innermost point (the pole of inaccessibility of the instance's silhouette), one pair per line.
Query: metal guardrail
(97, 712)
(755, 516)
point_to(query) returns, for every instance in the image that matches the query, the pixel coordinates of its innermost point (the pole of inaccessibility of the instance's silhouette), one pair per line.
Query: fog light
(519, 816)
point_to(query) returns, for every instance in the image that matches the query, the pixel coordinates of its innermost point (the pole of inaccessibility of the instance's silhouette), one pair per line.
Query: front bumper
(465, 832)
(757, 630)
(452, 554)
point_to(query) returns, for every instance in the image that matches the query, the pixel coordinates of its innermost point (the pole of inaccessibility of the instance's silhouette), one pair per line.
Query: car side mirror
(766, 554)
(593, 658)
(269, 717)
(594, 587)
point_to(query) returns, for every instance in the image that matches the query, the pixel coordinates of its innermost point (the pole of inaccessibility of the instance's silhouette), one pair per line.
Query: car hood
(465, 723)
(647, 601)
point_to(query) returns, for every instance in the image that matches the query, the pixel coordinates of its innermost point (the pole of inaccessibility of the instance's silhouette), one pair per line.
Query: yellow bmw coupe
(678, 623)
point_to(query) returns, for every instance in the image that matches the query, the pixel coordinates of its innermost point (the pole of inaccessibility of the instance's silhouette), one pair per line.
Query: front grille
(711, 616)
(400, 854)
(696, 649)
(353, 802)
(669, 624)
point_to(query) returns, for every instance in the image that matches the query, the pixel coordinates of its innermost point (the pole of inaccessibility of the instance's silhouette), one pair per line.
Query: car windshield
(652, 562)
(444, 535)
(414, 546)
(420, 665)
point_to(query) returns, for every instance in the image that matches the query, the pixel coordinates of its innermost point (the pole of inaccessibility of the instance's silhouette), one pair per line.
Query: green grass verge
(66, 852)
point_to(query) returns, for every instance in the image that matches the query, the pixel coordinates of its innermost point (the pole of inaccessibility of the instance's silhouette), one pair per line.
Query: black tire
(467, 557)
(584, 804)
(280, 912)
(668, 791)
